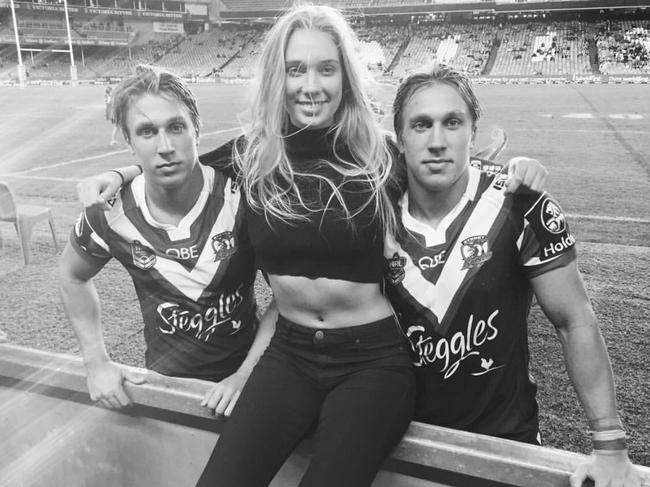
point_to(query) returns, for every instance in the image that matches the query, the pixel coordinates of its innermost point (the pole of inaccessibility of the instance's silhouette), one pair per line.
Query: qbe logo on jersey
(552, 217)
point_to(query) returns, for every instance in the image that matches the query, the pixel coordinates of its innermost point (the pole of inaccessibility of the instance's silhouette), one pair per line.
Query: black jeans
(354, 386)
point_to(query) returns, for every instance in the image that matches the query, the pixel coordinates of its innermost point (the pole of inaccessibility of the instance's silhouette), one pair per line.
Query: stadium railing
(54, 436)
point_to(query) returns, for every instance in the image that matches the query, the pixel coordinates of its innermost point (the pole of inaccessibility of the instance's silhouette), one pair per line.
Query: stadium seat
(24, 217)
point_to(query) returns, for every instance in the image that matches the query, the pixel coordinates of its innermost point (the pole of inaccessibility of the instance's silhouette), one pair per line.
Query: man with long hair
(178, 230)
(463, 270)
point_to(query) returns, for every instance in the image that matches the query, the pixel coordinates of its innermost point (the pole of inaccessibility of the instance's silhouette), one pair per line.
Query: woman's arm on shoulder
(100, 190)
(222, 158)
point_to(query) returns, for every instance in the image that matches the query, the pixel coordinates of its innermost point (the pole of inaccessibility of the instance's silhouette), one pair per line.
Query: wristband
(607, 423)
(119, 174)
(612, 439)
(617, 444)
(608, 435)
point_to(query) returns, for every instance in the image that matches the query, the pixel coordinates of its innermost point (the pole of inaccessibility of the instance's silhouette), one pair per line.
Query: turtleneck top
(328, 243)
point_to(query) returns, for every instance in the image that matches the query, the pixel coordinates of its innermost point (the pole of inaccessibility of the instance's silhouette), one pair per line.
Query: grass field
(594, 139)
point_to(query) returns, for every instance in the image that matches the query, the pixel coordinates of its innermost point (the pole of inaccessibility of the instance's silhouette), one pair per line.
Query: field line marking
(626, 219)
(42, 178)
(222, 131)
(637, 156)
(92, 158)
(577, 216)
(643, 132)
(65, 163)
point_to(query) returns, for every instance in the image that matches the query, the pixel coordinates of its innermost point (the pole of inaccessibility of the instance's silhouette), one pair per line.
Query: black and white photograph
(325, 243)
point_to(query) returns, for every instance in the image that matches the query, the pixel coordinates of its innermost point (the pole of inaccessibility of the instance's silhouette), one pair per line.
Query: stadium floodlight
(73, 68)
(22, 73)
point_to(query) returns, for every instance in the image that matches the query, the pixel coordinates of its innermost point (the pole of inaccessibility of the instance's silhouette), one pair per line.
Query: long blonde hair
(267, 175)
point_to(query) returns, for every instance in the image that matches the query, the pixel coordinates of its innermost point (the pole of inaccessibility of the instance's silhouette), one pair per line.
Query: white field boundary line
(583, 131)
(575, 216)
(66, 163)
(41, 178)
(218, 132)
(22, 174)
(605, 218)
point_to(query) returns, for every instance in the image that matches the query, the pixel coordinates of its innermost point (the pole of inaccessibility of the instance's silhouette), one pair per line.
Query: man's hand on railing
(607, 469)
(105, 382)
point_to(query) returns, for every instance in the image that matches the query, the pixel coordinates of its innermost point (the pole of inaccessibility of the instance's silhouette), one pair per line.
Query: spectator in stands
(178, 231)
(108, 95)
(493, 252)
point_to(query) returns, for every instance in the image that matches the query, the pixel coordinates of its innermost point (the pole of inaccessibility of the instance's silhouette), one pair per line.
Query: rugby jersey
(194, 281)
(463, 295)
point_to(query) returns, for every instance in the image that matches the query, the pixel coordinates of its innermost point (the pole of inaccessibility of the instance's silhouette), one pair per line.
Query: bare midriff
(328, 303)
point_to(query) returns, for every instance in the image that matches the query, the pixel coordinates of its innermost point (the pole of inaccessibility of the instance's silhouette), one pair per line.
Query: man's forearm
(81, 303)
(590, 370)
(591, 373)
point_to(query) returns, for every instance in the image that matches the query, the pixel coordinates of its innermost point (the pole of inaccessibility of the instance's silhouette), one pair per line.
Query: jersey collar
(437, 236)
(182, 230)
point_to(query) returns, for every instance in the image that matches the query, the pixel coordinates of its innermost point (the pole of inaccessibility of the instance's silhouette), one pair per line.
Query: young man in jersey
(462, 273)
(178, 231)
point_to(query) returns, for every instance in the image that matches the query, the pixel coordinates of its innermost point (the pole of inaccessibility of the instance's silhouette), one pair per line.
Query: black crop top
(328, 244)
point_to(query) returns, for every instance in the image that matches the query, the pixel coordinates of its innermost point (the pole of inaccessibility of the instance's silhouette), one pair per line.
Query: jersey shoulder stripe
(86, 236)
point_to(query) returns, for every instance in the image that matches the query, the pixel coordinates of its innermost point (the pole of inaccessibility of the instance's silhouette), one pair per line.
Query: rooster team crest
(552, 217)
(223, 245)
(143, 256)
(396, 269)
(475, 251)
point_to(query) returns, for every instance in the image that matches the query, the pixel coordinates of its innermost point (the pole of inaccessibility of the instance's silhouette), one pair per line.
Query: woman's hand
(524, 171)
(99, 190)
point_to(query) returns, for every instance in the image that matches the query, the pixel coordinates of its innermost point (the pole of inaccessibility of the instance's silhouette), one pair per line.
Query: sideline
(66, 163)
(605, 218)
(21, 174)
(586, 131)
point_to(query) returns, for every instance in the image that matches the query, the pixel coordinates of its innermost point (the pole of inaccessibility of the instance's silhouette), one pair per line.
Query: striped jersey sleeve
(86, 236)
